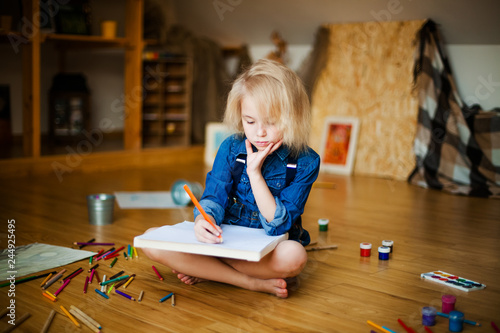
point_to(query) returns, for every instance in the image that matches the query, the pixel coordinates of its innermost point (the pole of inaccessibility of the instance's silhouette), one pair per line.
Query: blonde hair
(281, 98)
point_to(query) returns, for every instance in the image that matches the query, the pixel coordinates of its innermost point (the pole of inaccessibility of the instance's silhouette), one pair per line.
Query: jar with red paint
(365, 249)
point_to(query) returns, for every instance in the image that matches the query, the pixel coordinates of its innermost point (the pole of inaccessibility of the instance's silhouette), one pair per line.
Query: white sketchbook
(238, 242)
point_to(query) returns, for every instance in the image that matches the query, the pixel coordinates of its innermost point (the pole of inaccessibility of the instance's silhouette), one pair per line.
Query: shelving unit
(30, 43)
(167, 83)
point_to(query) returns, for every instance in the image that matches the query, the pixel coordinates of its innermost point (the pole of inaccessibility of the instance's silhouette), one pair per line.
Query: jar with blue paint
(383, 252)
(456, 321)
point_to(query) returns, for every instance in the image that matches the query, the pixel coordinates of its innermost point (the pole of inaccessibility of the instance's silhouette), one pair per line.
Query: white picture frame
(338, 144)
(215, 134)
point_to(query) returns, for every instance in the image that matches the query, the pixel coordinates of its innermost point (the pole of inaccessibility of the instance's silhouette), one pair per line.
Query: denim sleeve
(291, 201)
(218, 183)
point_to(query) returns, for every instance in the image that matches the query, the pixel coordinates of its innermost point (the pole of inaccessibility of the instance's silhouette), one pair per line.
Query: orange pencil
(197, 204)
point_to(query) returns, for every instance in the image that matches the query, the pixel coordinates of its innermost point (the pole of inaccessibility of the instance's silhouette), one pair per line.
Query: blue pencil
(166, 297)
(102, 294)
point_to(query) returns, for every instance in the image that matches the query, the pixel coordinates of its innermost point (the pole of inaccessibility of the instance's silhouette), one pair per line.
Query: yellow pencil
(51, 294)
(70, 316)
(135, 252)
(49, 297)
(46, 279)
(129, 280)
(377, 326)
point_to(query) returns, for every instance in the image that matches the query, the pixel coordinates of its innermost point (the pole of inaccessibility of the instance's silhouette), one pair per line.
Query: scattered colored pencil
(46, 279)
(84, 320)
(124, 295)
(371, 323)
(129, 280)
(111, 288)
(70, 316)
(103, 287)
(49, 293)
(125, 255)
(173, 300)
(72, 275)
(92, 320)
(46, 326)
(91, 278)
(83, 245)
(113, 262)
(86, 285)
(407, 329)
(495, 327)
(62, 287)
(93, 267)
(141, 295)
(92, 243)
(53, 299)
(26, 279)
(114, 280)
(388, 329)
(158, 274)
(102, 294)
(427, 329)
(54, 279)
(166, 297)
(117, 275)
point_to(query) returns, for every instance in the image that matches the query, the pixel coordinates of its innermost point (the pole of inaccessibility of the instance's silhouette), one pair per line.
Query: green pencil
(26, 279)
(114, 280)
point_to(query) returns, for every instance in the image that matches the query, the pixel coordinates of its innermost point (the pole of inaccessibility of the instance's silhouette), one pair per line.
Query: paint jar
(388, 243)
(383, 252)
(456, 319)
(448, 304)
(365, 249)
(323, 224)
(429, 316)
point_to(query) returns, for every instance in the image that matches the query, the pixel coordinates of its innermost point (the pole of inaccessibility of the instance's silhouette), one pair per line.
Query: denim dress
(235, 204)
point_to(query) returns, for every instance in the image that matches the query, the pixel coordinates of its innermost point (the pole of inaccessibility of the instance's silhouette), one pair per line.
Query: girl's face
(259, 131)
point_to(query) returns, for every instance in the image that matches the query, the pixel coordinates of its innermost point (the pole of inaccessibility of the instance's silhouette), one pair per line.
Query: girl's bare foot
(187, 279)
(272, 286)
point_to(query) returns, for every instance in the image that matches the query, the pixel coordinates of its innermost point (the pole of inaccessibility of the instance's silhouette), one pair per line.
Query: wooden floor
(338, 291)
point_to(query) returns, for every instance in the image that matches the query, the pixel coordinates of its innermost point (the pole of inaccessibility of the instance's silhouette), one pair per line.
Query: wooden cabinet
(166, 112)
(30, 39)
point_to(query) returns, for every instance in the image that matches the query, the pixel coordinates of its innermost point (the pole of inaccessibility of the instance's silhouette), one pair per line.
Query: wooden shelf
(132, 44)
(167, 99)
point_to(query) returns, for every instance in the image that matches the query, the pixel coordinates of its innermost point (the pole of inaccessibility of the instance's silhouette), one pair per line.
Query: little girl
(261, 178)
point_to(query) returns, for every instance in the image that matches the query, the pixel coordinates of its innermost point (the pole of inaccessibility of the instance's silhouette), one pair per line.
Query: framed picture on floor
(338, 144)
(215, 133)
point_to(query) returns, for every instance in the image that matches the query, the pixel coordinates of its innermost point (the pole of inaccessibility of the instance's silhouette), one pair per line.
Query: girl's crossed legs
(268, 275)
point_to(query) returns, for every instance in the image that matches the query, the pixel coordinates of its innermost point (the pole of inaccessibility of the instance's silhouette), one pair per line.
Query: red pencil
(159, 276)
(427, 329)
(408, 329)
(495, 327)
(86, 284)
